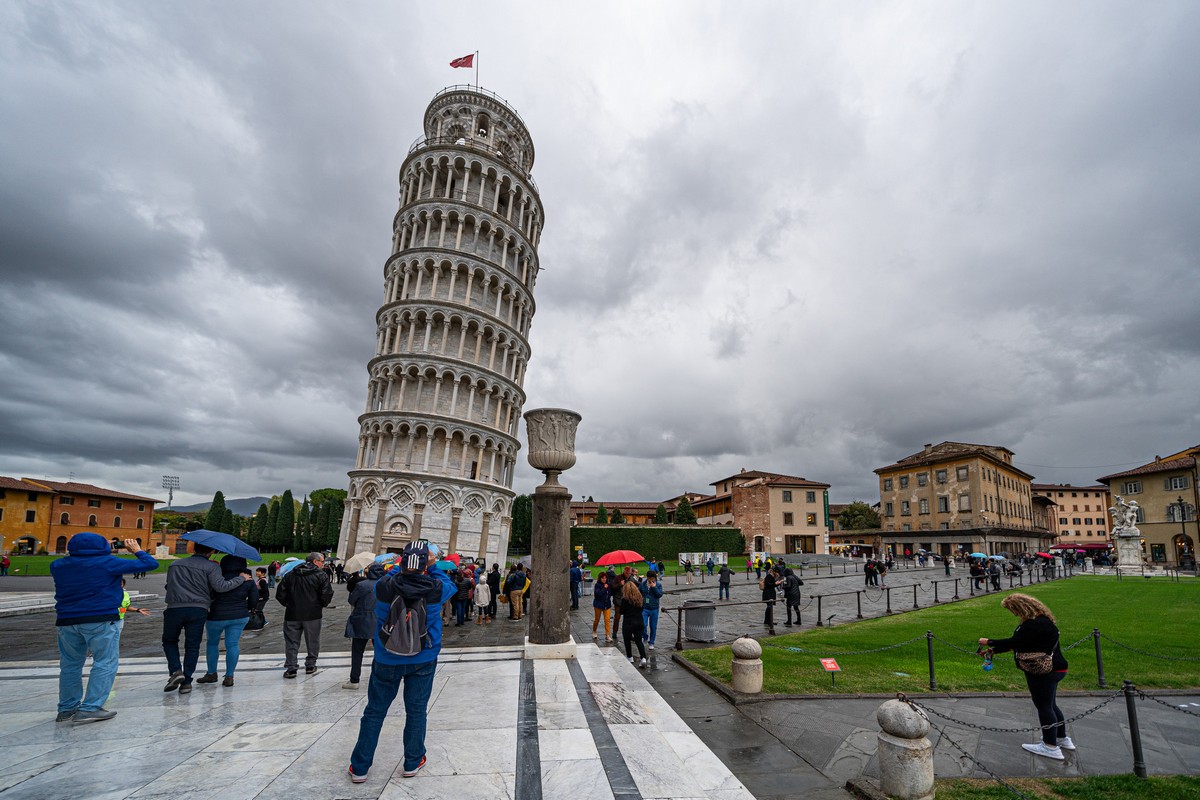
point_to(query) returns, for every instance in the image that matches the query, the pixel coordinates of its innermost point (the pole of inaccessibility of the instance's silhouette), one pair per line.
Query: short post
(1135, 734)
(935, 591)
(679, 628)
(971, 582)
(915, 596)
(747, 667)
(955, 589)
(1099, 658)
(858, 597)
(889, 599)
(820, 622)
(905, 753)
(929, 648)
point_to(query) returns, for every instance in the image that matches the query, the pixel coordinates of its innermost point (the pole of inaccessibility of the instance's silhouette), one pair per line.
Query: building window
(905, 508)
(1087, 520)
(887, 484)
(943, 526)
(141, 506)
(922, 478)
(1189, 512)
(940, 476)
(93, 503)
(788, 518)
(888, 510)
(1131, 487)
(66, 501)
(1158, 552)
(64, 519)
(31, 516)
(116, 522)
(944, 505)
(119, 506)
(141, 523)
(903, 481)
(962, 473)
(810, 497)
(1173, 484)
(1075, 521)
(964, 502)
(906, 527)
(811, 519)
(92, 521)
(1062, 520)
(787, 495)
(924, 506)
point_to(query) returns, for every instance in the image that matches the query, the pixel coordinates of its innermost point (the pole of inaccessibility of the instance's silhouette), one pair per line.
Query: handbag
(1036, 663)
(257, 620)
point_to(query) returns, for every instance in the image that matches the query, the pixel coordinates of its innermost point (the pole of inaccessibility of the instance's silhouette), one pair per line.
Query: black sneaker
(289, 673)
(310, 670)
(208, 677)
(174, 681)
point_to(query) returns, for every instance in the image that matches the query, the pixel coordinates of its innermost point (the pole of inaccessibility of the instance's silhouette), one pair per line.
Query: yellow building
(1080, 515)
(24, 516)
(1167, 496)
(957, 497)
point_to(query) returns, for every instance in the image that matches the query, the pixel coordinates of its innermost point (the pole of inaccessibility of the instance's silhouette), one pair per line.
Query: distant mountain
(243, 507)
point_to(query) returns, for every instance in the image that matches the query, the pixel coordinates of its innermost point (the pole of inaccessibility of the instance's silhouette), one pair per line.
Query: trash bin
(700, 620)
(587, 584)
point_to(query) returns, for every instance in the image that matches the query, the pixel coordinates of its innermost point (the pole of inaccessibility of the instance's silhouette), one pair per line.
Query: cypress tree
(320, 525)
(214, 520)
(227, 524)
(270, 537)
(601, 515)
(660, 515)
(285, 529)
(617, 517)
(258, 527)
(684, 515)
(304, 528)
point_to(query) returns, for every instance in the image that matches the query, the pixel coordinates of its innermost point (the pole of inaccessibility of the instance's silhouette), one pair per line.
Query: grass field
(40, 565)
(1158, 617)
(1101, 787)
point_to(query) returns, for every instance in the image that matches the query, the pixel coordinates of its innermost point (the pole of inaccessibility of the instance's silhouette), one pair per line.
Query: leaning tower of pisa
(437, 440)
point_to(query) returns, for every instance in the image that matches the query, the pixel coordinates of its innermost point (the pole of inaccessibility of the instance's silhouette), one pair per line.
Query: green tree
(660, 515)
(521, 538)
(320, 533)
(227, 524)
(270, 535)
(215, 519)
(258, 527)
(285, 529)
(318, 496)
(601, 515)
(617, 517)
(304, 527)
(858, 516)
(684, 515)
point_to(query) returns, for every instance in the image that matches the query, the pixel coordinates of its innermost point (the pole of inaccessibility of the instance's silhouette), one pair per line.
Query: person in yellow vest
(125, 601)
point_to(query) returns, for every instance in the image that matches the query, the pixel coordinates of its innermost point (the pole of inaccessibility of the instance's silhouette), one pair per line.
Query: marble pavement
(499, 727)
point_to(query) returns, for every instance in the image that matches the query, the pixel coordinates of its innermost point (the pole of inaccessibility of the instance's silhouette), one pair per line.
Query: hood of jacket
(88, 544)
(375, 571)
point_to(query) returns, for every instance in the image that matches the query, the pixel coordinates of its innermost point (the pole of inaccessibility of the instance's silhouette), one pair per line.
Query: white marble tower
(438, 438)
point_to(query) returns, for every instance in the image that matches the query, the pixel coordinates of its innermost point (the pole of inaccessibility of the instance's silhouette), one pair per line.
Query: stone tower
(437, 441)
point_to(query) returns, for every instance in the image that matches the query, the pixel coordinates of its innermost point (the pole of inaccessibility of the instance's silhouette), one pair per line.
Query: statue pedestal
(1129, 548)
(162, 551)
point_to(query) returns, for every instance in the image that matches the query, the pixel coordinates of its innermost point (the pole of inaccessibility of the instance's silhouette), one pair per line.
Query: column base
(564, 650)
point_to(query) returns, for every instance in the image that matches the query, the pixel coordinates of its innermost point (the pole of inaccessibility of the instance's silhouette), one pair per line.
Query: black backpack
(406, 631)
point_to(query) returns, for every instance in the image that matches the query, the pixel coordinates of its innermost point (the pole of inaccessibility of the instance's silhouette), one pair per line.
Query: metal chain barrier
(1151, 655)
(955, 647)
(845, 652)
(1120, 693)
(1171, 706)
(1087, 637)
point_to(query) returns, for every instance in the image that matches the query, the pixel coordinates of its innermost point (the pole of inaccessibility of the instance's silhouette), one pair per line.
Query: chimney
(928, 448)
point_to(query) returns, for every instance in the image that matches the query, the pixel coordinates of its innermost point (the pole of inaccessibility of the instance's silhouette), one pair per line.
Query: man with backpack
(408, 610)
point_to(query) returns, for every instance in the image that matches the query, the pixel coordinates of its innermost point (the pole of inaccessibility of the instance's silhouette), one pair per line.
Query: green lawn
(1101, 787)
(1158, 617)
(40, 565)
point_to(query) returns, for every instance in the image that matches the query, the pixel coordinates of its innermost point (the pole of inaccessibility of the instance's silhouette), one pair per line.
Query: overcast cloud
(807, 238)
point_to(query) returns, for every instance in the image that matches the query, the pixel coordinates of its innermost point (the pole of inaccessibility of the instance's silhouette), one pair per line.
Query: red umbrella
(619, 557)
(1044, 555)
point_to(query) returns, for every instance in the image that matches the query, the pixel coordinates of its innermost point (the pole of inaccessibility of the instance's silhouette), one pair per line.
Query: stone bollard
(747, 666)
(905, 754)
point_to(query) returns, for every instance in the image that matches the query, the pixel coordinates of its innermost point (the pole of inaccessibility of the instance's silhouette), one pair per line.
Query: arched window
(92, 521)
(141, 523)
(60, 545)
(64, 519)
(116, 522)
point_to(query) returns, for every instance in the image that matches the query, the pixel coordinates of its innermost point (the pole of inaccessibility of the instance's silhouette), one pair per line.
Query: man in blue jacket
(87, 594)
(413, 579)
(576, 584)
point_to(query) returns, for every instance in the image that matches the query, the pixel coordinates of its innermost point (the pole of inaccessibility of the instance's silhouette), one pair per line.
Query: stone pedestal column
(905, 753)
(747, 666)
(552, 450)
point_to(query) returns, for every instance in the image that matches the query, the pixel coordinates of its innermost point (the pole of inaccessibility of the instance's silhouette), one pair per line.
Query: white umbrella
(358, 561)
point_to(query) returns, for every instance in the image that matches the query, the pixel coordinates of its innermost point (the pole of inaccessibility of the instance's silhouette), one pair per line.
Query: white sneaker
(644, 663)
(651, 647)
(630, 659)
(593, 634)
(1065, 743)
(1042, 749)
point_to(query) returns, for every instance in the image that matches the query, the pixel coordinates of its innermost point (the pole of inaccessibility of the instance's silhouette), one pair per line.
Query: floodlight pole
(170, 483)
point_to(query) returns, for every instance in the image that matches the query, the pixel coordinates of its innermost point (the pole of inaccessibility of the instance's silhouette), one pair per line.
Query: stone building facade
(438, 437)
(37, 514)
(1080, 514)
(1167, 495)
(781, 514)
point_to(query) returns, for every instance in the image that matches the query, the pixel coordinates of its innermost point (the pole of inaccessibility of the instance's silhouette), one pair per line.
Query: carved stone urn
(551, 442)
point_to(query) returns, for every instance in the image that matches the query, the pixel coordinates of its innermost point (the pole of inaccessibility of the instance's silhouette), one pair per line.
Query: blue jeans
(575, 591)
(381, 691)
(649, 624)
(191, 622)
(232, 628)
(74, 642)
(722, 591)
(460, 611)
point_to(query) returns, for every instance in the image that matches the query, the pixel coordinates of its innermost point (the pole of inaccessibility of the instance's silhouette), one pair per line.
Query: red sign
(830, 665)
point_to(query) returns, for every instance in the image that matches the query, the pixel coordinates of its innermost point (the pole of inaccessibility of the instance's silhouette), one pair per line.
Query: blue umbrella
(288, 565)
(998, 558)
(978, 555)
(224, 543)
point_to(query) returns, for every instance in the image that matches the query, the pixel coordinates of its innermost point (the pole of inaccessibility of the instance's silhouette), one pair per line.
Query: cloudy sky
(799, 237)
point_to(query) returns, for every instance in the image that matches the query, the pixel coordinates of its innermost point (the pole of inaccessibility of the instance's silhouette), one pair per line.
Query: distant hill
(243, 507)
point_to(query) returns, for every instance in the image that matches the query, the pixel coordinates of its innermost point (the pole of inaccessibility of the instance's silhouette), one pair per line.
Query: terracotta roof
(584, 505)
(1188, 463)
(948, 451)
(88, 489)
(771, 478)
(1066, 487)
(12, 483)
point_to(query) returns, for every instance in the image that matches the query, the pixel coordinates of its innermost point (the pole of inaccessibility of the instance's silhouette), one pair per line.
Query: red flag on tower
(465, 61)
